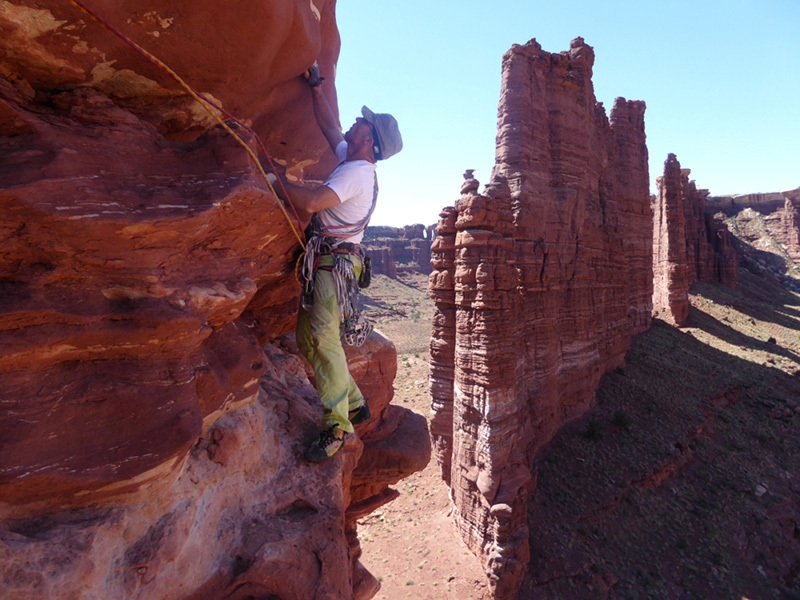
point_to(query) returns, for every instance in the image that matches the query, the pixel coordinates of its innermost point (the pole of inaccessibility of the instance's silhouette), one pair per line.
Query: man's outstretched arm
(323, 113)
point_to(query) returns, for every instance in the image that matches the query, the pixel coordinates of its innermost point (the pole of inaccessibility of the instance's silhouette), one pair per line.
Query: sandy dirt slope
(411, 544)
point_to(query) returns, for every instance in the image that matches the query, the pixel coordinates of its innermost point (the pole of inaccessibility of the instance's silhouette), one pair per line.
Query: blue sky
(721, 80)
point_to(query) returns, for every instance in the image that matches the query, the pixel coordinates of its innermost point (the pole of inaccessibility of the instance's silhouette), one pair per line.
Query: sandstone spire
(539, 282)
(688, 244)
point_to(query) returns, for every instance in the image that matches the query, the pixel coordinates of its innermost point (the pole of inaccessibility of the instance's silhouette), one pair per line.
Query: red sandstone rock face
(55, 46)
(125, 265)
(539, 284)
(765, 204)
(383, 261)
(699, 253)
(245, 515)
(670, 267)
(725, 257)
(790, 229)
(144, 262)
(688, 245)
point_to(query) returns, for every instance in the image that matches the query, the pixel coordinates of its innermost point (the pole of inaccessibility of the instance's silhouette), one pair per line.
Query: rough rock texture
(699, 252)
(790, 229)
(382, 260)
(539, 284)
(123, 279)
(725, 256)
(144, 263)
(54, 46)
(670, 268)
(245, 517)
(689, 245)
(409, 245)
(766, 233)
(776, 229)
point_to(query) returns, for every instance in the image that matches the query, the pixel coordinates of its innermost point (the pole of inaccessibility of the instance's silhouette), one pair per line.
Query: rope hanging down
(208, 105)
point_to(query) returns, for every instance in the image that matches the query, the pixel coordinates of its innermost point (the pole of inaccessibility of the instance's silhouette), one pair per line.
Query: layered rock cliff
(689, 244)
(539, 282)
(766, 203)
(151, 418)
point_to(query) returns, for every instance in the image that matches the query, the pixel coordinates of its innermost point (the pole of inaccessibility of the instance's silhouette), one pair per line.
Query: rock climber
(340, 210)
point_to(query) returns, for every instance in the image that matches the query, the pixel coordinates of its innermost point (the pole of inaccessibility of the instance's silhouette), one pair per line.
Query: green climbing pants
(319, 339)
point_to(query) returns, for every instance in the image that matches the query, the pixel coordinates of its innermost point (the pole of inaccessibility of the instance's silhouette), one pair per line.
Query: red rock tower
(688, 244)
(670, 274)
(539, 282)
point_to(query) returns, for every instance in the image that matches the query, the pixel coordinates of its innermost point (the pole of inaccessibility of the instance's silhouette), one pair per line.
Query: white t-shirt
(356, 184)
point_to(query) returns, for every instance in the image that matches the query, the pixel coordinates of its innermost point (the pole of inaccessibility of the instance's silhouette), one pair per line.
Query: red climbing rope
(208, 105)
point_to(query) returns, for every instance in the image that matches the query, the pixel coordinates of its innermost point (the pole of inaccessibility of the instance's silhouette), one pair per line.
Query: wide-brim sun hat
(389, 141)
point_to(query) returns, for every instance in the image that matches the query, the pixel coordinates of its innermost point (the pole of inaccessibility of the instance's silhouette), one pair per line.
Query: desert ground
(410, 544)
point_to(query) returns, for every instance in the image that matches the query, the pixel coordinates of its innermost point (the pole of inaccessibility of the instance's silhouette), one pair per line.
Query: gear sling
(329, 241)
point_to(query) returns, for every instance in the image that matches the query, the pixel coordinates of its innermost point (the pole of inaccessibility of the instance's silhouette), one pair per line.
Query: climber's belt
(326, 259)
(346, 248)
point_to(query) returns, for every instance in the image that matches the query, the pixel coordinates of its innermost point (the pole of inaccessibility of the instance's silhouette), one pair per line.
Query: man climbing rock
(340, 210)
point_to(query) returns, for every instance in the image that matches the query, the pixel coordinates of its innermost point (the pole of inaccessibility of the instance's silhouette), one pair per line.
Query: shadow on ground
(684, 481)
(756, 299)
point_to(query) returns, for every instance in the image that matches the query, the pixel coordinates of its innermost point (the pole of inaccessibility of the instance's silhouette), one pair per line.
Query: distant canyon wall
(767, 227)
(689, 245)
(153, 415)
(539, 283)
(408, 246)
(765, 203)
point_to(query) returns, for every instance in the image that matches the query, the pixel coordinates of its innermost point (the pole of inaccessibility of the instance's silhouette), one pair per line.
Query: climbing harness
(214, 109)
(355, 328)
(328, 240)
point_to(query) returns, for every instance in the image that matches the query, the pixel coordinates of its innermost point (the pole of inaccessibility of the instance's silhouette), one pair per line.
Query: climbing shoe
(360, 415)
(329, 442)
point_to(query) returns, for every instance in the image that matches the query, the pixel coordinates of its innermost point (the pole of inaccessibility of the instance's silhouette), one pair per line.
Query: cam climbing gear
(355, 328)
(366, 271)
